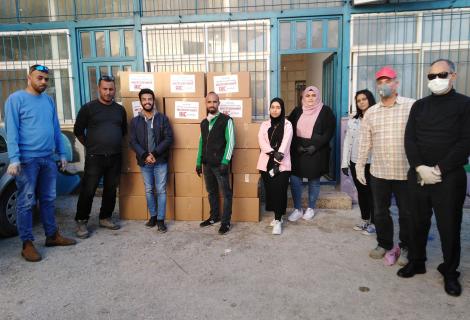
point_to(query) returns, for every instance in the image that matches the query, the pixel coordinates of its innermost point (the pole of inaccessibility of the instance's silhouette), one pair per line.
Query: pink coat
(263, 141)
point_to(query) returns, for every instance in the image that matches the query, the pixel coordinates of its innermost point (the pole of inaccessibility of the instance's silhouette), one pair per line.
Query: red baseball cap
(386, 72)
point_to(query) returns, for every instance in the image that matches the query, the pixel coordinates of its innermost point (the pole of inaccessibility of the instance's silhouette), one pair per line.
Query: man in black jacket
(437, 144)
(214, 154)
(151, 138)
(100, 126)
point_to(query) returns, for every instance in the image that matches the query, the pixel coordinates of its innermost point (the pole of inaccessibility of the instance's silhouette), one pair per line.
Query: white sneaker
(277, 228)
(295, 215)
(309, 214)
(274, 221)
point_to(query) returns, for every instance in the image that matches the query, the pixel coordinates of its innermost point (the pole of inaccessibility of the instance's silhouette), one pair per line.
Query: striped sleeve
(230, 142)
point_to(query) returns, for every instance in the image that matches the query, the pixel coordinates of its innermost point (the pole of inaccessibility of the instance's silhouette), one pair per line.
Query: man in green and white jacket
(215, 151)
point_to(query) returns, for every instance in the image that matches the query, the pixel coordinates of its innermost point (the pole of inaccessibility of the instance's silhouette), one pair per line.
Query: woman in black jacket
(313, 125)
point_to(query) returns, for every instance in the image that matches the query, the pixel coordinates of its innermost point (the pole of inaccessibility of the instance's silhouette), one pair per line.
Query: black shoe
(411, 269)
(224, 228)
(452, 287)
(161, 226)
(208, 222)
(152, 222)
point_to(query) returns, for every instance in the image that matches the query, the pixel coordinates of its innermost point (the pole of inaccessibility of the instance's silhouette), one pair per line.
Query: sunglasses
(106, 78)
(41, 68)
(440, 75)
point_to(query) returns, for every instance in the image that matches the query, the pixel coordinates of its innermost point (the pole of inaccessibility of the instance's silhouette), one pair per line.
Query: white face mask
(438, 85)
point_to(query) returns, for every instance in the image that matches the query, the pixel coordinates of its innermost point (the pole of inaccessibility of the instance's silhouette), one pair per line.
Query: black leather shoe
(452, 287)
(224, 228)
(411, 269)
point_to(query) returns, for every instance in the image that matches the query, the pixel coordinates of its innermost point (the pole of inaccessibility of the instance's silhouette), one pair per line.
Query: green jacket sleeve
(230, 139)
(199, 153)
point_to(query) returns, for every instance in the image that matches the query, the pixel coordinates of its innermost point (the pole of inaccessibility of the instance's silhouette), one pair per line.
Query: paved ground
(314, 270)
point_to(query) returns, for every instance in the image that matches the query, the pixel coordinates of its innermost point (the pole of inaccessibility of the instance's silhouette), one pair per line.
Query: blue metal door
(320, 36)
(329, 94)
(105, 52)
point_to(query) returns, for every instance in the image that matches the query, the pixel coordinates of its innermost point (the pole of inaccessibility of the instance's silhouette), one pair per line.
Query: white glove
(14, 169)
(428, 175)
(63, 165)
(361, 178)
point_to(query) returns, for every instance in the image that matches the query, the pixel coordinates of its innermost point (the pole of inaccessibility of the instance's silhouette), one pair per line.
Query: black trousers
(364, 193)
(214, 180)
(276, 192)
(446, 199)
(382, 190)
(96, 167)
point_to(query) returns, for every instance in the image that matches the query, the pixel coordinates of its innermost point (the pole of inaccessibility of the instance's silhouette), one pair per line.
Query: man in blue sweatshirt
(33, 134)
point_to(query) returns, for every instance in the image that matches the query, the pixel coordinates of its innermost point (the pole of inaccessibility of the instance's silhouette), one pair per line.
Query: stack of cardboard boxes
(181, 97)
(185, 107)
(132, 202)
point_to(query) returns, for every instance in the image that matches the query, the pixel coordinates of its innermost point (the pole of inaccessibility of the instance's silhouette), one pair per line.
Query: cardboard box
(245, 209)
(185, 110)
(188, 208)
(186, 136)
(129, 161)
(239, 109)
(246, 135)
(131, 184)
(132, 82)
(245, 185)
(229, 85)
(188, 185)
(184, 160)
(170, 187)
(245, 160)
(204, 189)
(181, 84)
(170, 208)
(133, 208)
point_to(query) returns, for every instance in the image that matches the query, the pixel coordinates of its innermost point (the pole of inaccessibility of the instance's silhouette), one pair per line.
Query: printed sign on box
(136, 108)
(233, 108)
(138, 81)
(187, 110)
(226, 84)
(183, 83)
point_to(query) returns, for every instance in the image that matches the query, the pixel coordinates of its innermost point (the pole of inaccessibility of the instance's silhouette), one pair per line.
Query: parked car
(66, 183)
(7, 192)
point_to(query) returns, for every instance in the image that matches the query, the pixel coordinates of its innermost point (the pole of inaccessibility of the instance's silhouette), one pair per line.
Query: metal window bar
(17, 11)
(20, 50)
(409, 42)
(213, 47)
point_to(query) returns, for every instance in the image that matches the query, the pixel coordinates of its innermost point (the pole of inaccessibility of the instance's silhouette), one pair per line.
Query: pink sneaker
(391, 256)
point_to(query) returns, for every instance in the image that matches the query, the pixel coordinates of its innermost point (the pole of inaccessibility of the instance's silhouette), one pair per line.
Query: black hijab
(276, 131)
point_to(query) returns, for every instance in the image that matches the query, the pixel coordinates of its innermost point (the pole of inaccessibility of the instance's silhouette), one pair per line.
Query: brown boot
(58, 240)
(29, 252)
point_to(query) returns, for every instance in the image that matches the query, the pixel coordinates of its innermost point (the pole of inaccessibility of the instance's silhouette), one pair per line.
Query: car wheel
(8, 211)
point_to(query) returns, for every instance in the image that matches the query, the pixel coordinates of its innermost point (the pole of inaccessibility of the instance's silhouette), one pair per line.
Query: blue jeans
(296, 189)
(37, 179)
(156, 175)
(213, 179)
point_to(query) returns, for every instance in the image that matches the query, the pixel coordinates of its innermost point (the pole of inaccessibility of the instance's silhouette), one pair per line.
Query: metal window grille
(409, 42)
(14, 11)
(187, 7)
(20, 50)
(213, 47)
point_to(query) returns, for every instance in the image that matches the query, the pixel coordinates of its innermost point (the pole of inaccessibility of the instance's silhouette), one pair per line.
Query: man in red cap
(382, 134)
